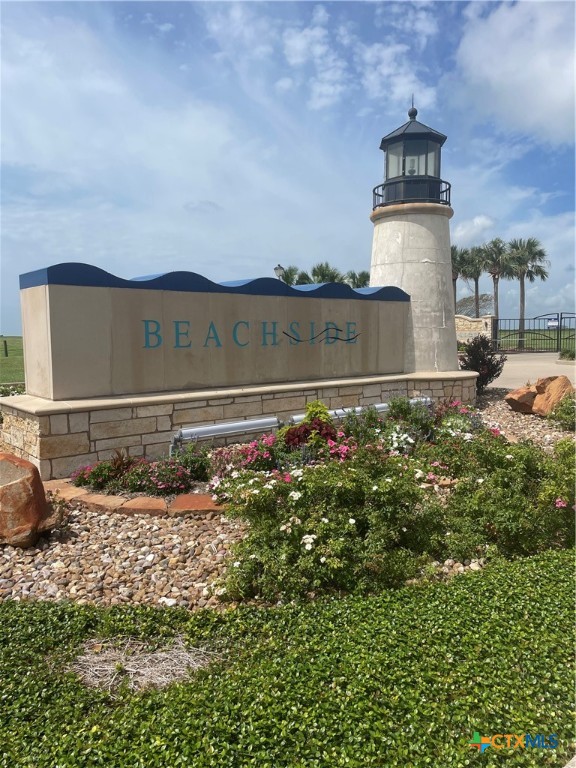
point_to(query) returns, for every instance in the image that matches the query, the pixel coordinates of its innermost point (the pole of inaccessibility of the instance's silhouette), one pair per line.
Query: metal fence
(545, 333)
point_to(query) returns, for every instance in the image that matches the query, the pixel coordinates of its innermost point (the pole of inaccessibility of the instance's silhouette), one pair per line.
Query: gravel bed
(518, 426)
(110, 559)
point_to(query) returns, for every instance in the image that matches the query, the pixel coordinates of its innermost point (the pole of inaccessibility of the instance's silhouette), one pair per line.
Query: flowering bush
(257, 455)
(165, 477)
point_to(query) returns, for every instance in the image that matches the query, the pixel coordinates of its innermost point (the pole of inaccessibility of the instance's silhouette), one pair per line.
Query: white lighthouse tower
(411, 246)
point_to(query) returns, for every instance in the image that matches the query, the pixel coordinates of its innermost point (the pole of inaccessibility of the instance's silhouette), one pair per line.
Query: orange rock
(543, 384)
(521, 399)
(555, 390)
(193, 502)
(144, 505)
(24, 511)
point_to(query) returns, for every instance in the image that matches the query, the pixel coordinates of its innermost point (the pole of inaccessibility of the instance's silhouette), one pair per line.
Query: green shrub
(568, 353)
(365, 426)
(417, 415)
(480, 357)
(522, 507)
(564, 414)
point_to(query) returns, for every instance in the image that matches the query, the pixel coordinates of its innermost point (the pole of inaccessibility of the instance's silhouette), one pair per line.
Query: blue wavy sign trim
(75, 273)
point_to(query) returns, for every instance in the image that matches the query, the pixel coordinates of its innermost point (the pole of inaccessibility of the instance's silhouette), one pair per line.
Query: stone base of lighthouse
(411, 250)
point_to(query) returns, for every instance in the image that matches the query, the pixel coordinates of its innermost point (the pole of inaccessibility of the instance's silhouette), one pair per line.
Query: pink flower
(560, 503)
(435, 464)
(431, 476)
(287, 479)
(495, 431)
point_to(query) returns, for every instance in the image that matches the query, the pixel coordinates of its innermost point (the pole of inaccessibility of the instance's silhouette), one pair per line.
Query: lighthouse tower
(411, 245)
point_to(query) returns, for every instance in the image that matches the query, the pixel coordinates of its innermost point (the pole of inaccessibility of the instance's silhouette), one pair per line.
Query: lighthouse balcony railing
(420, 189)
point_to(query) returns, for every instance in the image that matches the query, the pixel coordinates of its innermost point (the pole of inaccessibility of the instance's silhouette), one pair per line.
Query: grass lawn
(404, 678)
(538, 340)
(12, 366)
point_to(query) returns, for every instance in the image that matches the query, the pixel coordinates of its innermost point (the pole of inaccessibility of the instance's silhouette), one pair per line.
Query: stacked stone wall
(469, 327)
(61, 437)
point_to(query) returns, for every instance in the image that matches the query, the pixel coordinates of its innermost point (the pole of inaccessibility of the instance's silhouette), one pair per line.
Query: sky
(224, 138)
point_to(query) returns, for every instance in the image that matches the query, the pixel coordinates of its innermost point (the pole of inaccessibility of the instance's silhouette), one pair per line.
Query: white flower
(297, 472)
(388, 480)
(418, 474)
(322, 559)
(324, 519)
(308, 546)
(352, 521)
(480, 480)
(374, 487)
(255, 492)
(252, 557)
(295, 520)
(236, 564)
(295, 495)
(404, 529)
(234, 474)
(509, 456)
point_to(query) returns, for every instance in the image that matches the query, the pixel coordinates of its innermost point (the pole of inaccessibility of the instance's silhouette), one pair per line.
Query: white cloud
(387, 72)
(240, 30)
(320, 15)
(312, 45)
(418, 21)
(472, 231)
(517, 62)
(284, 84)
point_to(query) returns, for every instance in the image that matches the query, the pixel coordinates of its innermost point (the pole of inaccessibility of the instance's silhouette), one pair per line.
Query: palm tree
(324, 272)
(358, 279)
(498, 264)
(458, 260)
(528, 262)
(472, 269)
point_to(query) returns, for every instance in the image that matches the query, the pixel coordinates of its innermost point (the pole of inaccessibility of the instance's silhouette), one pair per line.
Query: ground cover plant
(404, 678)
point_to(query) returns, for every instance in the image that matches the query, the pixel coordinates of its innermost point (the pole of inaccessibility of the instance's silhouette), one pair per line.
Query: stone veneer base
(61, 436)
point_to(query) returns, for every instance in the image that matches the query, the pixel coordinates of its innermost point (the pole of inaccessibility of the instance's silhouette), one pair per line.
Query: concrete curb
(571, 764)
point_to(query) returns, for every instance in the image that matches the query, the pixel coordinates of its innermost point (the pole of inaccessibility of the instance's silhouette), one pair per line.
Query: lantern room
(412, 166)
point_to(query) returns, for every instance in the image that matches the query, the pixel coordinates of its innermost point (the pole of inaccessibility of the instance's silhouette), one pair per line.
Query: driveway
(521, 368)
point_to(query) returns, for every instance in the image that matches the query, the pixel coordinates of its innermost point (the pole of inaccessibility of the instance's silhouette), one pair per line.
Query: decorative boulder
(521, 399)
(549, 393)
(24, 511)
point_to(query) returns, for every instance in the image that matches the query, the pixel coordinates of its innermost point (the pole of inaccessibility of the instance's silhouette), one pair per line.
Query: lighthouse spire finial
(412, 112)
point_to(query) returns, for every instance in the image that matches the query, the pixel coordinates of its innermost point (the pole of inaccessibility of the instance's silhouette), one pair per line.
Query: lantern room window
(413, 158)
